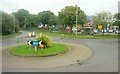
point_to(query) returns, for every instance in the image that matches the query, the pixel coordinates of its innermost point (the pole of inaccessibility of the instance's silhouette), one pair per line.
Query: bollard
(33, 34)
(29, 34)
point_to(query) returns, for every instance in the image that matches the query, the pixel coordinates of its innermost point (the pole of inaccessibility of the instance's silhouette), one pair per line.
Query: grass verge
(25, 51)
(11, 35)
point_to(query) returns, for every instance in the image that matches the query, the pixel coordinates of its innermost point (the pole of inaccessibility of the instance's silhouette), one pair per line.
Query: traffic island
(76, 53)
(28, 50)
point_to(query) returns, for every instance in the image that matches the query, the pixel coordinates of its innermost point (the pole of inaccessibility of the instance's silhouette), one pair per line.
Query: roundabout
(26, 50)
(75, 53)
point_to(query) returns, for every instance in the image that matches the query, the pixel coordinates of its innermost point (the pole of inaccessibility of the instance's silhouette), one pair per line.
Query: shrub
(45, 39)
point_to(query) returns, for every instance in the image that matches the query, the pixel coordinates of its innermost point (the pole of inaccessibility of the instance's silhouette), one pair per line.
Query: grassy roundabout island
(26, 51)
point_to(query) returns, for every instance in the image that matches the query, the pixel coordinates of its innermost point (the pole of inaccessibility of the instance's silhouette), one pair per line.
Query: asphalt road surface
(103, 59)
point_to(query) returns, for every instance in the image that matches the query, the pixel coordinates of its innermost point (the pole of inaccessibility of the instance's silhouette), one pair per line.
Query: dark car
(88, 31)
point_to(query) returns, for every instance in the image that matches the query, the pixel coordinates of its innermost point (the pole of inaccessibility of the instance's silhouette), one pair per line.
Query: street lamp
(76, 18)
(13, 20)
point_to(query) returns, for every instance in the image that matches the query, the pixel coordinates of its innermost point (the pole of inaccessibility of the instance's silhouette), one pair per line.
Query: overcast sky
(90, 7)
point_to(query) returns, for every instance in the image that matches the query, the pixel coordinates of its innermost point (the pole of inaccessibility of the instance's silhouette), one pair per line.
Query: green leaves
(21, 15)
(102, 18)
(47, 17)
(68, 15)
(8, 24)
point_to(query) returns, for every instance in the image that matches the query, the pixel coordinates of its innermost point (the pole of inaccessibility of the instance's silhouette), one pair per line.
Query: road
(103, 59)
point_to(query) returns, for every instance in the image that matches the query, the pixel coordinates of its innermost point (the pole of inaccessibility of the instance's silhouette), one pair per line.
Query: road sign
(30, 42)
(35, 43)
(99, 26)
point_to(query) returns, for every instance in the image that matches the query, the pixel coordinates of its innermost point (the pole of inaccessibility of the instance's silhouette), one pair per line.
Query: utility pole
(76, 18)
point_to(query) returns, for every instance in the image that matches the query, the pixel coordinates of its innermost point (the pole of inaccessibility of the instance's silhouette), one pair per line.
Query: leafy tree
(30, 20)
(102, 18)
(68, 16)
(8, 24)
(21, 15)
(117, 16)
(47, 17)
(117, 20)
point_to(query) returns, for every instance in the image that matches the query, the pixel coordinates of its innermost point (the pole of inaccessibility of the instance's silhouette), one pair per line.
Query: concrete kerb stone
(76, 54)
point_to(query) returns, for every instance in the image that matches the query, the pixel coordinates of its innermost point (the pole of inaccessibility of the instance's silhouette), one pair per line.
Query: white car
(110, 30)
(104, 31)
(40, 26)
(74, 29)
(95, 31)
(116, 31)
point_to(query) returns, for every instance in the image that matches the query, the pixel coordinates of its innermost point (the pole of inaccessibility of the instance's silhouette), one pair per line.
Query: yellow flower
(36, 38)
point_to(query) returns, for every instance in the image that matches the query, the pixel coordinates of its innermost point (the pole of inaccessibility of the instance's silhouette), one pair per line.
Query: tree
(68, 16)
(31, 20)
(21, 15)
(47, 17)
(53, 20)
(8, 24)
(117, 16)
(102, 18)
(117, 20)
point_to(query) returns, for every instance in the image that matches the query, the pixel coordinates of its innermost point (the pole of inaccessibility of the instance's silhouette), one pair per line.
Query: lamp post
(76, 18)
(13, 20)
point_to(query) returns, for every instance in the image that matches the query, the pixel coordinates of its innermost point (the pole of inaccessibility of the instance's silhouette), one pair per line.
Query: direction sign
(35, 43)
(99, 26)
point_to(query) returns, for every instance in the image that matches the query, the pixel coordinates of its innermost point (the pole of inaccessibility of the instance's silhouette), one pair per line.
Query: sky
(90, 7)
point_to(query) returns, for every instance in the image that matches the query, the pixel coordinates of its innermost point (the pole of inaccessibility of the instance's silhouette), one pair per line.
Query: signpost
(35, 43)
(18, 40)
(30, 43)
(61, 37)
(100, 26)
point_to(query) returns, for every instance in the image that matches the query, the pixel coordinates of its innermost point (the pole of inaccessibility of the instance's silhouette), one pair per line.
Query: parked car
(116, 31)
(88, 31)
(104, 30)
(95, 31)
(110, 30)
(74, 30)
(40, 26)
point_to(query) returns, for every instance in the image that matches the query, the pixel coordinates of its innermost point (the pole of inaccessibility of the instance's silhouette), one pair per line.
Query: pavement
(104, 56)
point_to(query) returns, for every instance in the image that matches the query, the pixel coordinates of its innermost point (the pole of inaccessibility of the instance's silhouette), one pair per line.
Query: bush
(45, 39)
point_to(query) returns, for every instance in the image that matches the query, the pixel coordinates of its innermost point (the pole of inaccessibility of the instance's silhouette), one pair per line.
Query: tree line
(22, 19)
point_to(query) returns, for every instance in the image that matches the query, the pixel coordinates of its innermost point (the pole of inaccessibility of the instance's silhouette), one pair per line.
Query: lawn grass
(10, 35)
(24, 50)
